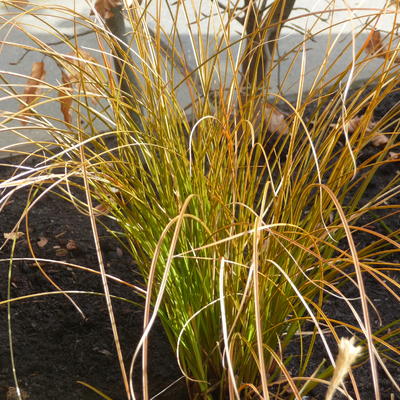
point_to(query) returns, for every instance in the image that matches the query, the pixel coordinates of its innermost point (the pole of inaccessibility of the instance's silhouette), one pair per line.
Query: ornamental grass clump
(241, 207)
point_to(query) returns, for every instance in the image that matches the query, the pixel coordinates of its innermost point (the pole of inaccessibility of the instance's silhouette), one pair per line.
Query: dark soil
(54, 346)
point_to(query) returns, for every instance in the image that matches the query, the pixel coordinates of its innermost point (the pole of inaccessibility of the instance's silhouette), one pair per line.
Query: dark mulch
(55, 346)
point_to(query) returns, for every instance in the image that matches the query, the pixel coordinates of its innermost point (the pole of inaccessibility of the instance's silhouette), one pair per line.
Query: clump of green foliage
(242, 218)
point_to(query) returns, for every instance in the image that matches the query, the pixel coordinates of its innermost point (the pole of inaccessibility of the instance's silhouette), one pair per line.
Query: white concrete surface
(331, 33)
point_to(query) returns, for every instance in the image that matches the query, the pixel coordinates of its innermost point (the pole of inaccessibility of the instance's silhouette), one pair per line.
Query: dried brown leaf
(13, 235)
(355, 122)
(71, 245)
(101, 209)
(61, 252)
(32, 89)
(37, 74)
(65, 93)
(379, 140)
(373, 44)
(274, 119)
(12, 394)
(104, 7)
(393, 155)
(70, 76)
(80, 63)
(42, 241)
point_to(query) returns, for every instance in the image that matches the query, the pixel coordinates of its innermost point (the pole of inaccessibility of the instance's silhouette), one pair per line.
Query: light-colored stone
(319, 57)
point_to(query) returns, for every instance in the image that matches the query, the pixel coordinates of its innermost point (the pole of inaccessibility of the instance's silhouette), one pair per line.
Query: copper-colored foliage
(32, 89)
(104, 7)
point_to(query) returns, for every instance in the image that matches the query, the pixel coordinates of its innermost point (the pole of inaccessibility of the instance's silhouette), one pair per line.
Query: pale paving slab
(50, 17)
